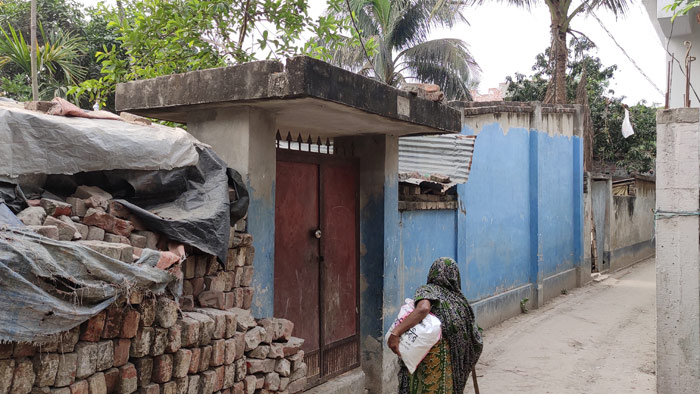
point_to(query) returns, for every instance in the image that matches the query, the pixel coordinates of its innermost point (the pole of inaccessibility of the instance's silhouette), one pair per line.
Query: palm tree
(57, 60)
(561, 15)
(398, 30)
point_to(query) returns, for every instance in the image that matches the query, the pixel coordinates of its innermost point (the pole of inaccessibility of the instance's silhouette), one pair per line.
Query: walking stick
(476, 385)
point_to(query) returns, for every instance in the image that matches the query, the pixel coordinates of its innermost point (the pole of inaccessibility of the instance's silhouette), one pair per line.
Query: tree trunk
(559, 55)
(32, 56)
(582, 99)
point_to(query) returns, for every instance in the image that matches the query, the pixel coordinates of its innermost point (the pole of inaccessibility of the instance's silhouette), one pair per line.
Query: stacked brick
(206, 342)
(209, 284)
(92, 218)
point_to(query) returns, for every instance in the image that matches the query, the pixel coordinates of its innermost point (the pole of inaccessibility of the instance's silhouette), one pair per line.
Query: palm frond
(14, 49)
(444, 62)
(57, 60)
(617, 7)
(60, 54)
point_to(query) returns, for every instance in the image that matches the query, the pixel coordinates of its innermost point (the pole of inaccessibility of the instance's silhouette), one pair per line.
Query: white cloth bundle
(415, 343)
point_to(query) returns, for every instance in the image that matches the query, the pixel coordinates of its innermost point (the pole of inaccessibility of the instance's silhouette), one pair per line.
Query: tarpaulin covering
(52, 286)
(36, 143)
(176, 185)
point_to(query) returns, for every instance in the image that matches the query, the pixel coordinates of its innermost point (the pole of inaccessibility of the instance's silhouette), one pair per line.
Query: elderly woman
(447, 366)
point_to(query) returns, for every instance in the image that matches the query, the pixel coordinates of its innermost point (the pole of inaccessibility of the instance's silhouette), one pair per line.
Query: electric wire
(627, 55)
(359, 36)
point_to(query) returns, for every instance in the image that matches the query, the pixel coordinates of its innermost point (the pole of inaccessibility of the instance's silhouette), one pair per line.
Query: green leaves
(636, 153)
(395, 36)
(681, 7)
(57, 59)
(160, 37)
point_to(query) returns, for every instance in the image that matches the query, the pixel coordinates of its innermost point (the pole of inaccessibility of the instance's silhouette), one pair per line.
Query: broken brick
(130, 324)
(141, 343)
(122, 227)
(128, 379)
(97, 384)
(101, 219)
(67, 367)
(65, 231)
(55, 207)
(113, 322)
(162, 368)
(144, 370)
(24, 376)
(91, 330)
(166, 312)
(111, 380)
(80, 387)
(121, 348)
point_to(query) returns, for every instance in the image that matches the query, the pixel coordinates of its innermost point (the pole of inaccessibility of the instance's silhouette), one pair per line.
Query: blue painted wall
(261, 223)
(417, 254)
(497, 220)
(519, 217)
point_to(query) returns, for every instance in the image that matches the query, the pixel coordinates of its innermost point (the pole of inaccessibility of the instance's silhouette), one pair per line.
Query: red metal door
(316, 258)
(296, 250)
(339, 270)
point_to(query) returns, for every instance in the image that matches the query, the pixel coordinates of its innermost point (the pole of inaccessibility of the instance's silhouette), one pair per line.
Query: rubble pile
(204, 341)
(92, 218)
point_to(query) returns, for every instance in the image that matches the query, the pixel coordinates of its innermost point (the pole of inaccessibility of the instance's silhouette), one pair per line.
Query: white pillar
(678, 252)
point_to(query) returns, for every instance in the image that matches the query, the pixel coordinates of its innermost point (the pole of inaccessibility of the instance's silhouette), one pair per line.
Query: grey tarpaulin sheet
(189, 205)
(51, 286)
(35, 143)
(175, 184)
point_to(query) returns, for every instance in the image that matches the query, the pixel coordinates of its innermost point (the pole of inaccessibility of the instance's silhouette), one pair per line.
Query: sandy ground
(597, 339)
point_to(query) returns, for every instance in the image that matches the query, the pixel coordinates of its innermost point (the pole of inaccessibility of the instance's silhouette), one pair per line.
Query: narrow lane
(597, 339)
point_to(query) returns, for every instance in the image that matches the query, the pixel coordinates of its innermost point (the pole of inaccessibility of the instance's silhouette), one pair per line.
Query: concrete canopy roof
(306, 95)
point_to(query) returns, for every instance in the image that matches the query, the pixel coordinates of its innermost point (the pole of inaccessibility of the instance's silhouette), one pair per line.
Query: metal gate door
(317, 259)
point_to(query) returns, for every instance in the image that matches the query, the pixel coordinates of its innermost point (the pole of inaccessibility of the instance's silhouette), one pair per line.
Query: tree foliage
(562, 13)
(74, 37)
(57, 64)
(397, 32)
(636, 153)
(681, 7)
(139, 39)
(160, 37)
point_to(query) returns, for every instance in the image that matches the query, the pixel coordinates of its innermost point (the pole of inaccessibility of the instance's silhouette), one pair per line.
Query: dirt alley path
(597, 339)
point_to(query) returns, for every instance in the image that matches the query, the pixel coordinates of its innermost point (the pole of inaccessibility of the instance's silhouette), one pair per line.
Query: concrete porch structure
(238, 110)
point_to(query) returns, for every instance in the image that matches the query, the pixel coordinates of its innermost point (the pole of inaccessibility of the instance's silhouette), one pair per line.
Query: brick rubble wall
(208, 343)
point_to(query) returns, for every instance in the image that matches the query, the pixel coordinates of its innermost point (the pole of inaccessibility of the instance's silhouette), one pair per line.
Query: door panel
(316, 273)
(339, 188)
(296, 280)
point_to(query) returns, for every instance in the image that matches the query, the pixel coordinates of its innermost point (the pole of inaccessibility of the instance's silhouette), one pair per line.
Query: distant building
(494, 94)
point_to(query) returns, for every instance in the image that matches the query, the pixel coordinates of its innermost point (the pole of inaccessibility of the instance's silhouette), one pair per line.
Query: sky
(505, 39)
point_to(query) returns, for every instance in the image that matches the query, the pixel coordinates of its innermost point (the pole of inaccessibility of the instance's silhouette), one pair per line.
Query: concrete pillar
(536, 247)
(245, 138)
(678, 252)
(583, 270)
(380, 297)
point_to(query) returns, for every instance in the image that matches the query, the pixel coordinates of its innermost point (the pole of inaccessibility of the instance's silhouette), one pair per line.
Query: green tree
(53, 15)
(60, 19)
(636, 153)
(57, 63)
(399, 30)
(562, 13)
(160, 37)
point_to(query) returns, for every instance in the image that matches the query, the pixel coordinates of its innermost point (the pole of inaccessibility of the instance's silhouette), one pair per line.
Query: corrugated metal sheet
(444, 155)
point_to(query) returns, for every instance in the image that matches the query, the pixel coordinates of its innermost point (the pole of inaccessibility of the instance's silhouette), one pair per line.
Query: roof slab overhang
(305, 95)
